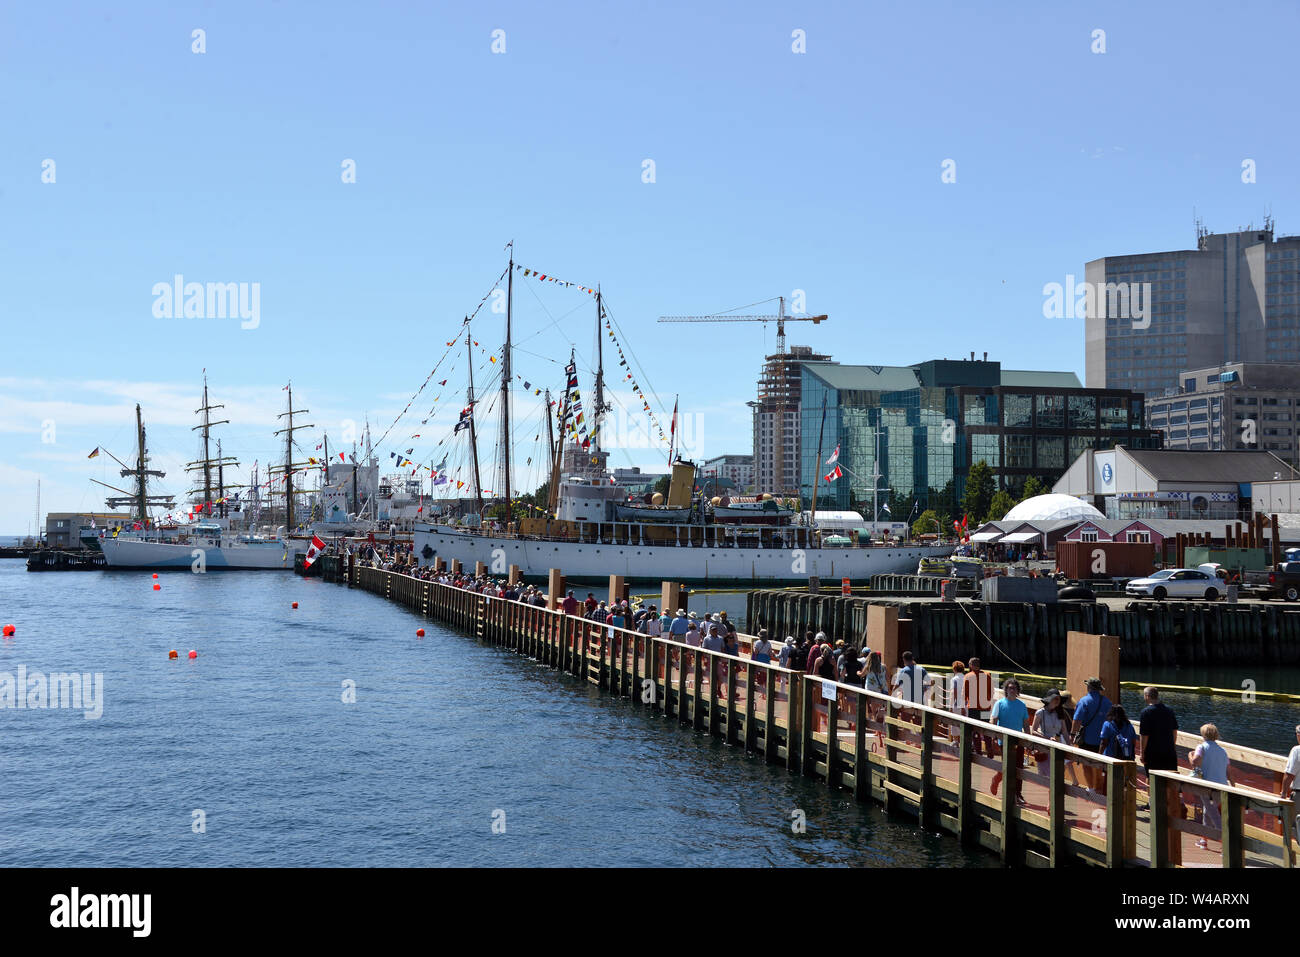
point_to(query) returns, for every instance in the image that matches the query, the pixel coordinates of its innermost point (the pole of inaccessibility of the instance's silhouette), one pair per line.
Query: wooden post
(516, 576)
(1157, 789)
(554, 588)
(1010, 782)
(697, 719)
(832, 740)
(751, 682)
(455, 566)
(1059, 827)
(1233, 807)
(480, 569)
(1091, 656)
(927, 801)
(731, 701)
(671, 598)
(861, 765)
(769, 718)
(1116, 782)
(615, 590)
(883, 635)
(1275, 540)
(794, 721)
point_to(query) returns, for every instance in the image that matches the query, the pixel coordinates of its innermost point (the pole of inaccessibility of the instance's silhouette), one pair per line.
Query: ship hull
(740, 566)
(133, 553)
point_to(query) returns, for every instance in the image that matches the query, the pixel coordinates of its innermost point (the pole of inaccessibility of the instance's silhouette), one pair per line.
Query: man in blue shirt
(678, 628)
(1010, 712)
(1089, 716)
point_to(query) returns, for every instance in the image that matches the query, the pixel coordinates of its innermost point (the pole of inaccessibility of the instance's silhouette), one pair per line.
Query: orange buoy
(172, 654)
(155, 574)
(419, 633)
(295, 604)
(194, 654)
(9, 631)
(157, 587)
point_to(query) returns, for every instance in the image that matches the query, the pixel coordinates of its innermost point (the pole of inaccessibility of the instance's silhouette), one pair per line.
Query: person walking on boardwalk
(590, 603)
(787, 650)
(692, 635)
(680, 625)
(570, 604)
(600, 613)
(1291, 773)
(979, 702)
(957, 689)
(1212, 762)
(1010, 712)
(1049, 723)
(762, 650)
(1085, 732)
(653, 624)
(912, 682)
(848, 667)
(1158, 727)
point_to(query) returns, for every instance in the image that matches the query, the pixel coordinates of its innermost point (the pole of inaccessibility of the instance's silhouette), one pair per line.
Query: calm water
(443, 734)
(1266, 725)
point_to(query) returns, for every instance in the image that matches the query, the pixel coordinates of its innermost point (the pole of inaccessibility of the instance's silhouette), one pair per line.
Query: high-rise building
(1234, 298)
(1238, 405)
(734, 471)
(776, 420)
(930, 422)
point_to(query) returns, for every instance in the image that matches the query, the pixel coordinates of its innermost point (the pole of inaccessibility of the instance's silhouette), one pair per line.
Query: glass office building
(928, 423)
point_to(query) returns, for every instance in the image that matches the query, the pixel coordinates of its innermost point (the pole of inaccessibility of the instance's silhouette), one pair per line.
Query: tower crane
(780, 319)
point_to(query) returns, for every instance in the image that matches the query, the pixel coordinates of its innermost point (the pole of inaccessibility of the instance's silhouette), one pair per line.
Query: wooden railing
(916, 760)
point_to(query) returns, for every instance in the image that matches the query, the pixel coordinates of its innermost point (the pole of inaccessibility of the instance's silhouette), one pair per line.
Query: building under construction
(776, 420)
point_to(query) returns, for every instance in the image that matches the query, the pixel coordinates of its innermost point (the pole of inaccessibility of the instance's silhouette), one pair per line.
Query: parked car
(1282, 581)
(1177, 583)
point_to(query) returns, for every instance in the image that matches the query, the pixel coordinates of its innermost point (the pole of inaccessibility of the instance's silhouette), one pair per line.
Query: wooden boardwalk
(915, 760)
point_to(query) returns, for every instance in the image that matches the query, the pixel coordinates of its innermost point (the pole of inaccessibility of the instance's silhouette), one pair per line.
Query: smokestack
(986, 356)
(972, 355)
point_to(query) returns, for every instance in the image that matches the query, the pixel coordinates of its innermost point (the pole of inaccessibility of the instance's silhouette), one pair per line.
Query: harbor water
(248, 754)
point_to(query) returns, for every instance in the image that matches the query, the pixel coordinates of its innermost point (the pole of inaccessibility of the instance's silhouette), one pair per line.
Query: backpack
(1125, 742)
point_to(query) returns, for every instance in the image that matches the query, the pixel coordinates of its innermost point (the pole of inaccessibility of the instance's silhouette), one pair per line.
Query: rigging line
(1023, 668)
(554, 321)
(632, 352)
(465, 322)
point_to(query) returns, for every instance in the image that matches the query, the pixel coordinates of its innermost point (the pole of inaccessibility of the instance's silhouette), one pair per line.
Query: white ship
(208, 546)
(585, 541)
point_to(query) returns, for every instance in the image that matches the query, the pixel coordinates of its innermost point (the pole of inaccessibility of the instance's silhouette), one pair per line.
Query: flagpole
(817, 479)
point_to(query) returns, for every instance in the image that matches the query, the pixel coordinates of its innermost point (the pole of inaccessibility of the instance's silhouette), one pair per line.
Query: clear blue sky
(775, 171)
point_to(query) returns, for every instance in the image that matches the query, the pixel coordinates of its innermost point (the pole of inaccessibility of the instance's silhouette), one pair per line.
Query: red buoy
(172, 654)
(295, 604)
(155, 574)
(194, 654)
(157, 587)
(9, 631)
(419, 633)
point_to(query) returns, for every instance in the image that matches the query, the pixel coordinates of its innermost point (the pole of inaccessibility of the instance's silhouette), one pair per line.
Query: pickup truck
(1283, 581)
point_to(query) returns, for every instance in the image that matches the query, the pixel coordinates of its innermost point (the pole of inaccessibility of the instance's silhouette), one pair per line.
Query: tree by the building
(1001, 503)
(979, 492)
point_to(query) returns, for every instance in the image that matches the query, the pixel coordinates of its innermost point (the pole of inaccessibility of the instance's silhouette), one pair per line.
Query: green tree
(979, 492)
(1033, 486)
(1001, 503)
(662, 484)
(929, 522)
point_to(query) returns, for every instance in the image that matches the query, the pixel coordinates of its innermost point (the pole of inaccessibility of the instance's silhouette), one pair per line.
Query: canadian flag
(317, 546)
(835, 456)
(834, 474)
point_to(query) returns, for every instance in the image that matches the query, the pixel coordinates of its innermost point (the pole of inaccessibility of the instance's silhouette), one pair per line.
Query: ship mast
(140, 499)
(289, 463)
(553, 499)
(505, 380)
(206, 463)
(599, 411)
(473, 433)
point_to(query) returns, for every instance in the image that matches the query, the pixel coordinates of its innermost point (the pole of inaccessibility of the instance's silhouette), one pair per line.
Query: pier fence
(1057, 805)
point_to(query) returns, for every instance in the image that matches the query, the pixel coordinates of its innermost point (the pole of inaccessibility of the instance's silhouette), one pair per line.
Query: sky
(685, 156)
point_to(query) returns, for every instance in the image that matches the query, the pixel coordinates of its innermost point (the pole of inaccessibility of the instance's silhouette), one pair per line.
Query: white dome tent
(1052, 508)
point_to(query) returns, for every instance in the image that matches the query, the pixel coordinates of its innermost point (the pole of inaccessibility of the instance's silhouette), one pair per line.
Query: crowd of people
(1094, 723)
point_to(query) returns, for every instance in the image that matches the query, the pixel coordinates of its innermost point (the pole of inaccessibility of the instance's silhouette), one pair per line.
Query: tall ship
(587, 523)
(205, 537)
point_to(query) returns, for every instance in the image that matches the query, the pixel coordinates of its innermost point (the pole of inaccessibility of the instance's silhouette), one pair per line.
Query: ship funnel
(682, 484)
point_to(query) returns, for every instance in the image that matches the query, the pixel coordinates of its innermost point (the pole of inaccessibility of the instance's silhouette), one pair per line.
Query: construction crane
(780, 319)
